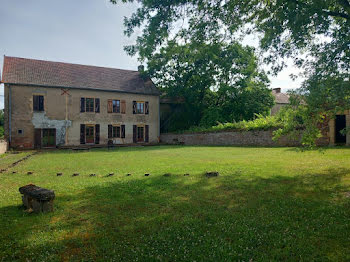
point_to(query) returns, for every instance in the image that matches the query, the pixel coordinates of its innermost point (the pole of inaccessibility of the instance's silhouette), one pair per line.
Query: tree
(315, 33)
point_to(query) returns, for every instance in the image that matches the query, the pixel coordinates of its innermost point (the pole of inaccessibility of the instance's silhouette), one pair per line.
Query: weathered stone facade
(66, 118)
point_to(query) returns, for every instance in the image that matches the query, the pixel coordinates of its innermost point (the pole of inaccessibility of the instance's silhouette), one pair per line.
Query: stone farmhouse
(50, 104)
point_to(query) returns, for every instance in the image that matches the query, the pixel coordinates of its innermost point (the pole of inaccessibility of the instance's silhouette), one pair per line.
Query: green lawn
(268, 204)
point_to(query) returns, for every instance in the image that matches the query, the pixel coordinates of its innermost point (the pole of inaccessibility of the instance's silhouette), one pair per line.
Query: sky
(86, 32)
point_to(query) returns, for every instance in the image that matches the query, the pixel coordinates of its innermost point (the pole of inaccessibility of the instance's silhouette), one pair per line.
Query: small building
(331, 131)
(281, 100)
(336, 125)
(49, 104)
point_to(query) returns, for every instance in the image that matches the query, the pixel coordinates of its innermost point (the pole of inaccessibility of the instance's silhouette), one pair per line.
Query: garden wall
(232, 138)
(3, 146)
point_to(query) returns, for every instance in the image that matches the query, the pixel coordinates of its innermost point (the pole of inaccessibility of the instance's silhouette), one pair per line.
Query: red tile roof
(56, 74)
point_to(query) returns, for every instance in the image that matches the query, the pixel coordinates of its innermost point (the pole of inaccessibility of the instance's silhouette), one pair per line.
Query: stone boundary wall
(3, 146)
(233, 138)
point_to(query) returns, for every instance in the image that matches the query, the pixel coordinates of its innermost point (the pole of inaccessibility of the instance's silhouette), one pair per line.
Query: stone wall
(3, 146)
(233, 138)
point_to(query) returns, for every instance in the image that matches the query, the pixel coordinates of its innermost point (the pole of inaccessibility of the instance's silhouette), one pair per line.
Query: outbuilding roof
(280, 98)
(24, 71)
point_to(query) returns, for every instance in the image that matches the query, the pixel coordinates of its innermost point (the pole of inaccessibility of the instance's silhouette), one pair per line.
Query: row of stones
(16, 163)
(207, 174)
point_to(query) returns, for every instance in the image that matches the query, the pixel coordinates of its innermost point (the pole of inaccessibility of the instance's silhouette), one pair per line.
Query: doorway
(45, 137)
(89, 135)
(340, 124)
(140, 134)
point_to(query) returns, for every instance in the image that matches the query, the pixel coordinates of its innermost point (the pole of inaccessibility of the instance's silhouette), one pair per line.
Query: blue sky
(77, 31)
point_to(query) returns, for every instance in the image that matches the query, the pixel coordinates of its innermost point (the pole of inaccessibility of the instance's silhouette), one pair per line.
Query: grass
(268, 204)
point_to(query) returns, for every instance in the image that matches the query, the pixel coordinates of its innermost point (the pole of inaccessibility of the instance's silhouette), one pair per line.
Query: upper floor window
(140, 107)
(90, 105)
(116, 106)
(38, 103)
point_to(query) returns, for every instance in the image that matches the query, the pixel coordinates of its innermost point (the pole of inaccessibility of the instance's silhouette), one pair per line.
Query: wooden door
(89, 135)
(140, 134)
(37, 138)
(48, 137)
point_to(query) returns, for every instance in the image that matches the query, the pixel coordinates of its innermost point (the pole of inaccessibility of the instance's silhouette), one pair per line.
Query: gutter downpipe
(10, 111)
(158, 119)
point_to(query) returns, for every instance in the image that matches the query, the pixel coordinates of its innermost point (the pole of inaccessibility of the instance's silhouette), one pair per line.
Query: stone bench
(37, 199)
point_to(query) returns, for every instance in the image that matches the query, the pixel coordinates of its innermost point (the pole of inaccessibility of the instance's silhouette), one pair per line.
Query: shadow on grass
(178, 218)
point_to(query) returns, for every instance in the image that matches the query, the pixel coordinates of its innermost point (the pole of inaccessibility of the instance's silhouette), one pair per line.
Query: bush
(260, 123)
(1, 132)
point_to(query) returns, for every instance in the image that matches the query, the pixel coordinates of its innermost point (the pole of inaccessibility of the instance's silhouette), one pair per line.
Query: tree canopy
(314, 33)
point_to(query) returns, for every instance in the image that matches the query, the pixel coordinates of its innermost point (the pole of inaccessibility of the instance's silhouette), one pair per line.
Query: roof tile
(57, 74)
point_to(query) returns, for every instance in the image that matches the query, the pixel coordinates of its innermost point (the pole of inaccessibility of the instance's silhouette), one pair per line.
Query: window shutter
(82, 134)
(134, 133)
(123, 106)
(97, 105)
(41, 103)
(146, 108)
(35, 103)
(146, 133)
(110, 106)
(134, 107)
(110, 131)
(97, 134)
(82, 104)
(123, 131)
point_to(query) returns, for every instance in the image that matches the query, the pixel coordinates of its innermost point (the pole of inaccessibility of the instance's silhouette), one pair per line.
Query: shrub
(260, 123)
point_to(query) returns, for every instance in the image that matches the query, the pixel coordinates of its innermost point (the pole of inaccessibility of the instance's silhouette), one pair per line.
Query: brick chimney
(141, 68)
(276, 90)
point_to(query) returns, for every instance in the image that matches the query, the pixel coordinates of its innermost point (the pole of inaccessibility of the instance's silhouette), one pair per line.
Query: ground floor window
(116, 131)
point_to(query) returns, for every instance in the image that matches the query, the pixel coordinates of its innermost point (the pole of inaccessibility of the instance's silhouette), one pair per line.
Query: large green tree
(218, 82)
(219, 79)
(314, 33)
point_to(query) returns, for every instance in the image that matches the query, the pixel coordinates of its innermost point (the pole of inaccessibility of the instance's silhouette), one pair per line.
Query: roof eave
(84, 88)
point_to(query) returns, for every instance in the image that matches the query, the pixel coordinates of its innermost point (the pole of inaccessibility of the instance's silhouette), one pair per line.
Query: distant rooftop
(24, 71)
(280, 98)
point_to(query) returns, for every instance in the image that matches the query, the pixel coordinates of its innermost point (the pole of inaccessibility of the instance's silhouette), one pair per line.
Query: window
(38, 103)
(140, 107)
(116, 131)
(90, 105)
(116, 106)
(20, 131)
